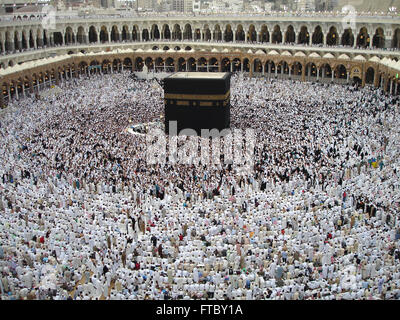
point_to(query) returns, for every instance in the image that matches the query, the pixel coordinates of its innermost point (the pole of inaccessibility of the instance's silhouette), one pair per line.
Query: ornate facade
(302, 48)
(369, 32)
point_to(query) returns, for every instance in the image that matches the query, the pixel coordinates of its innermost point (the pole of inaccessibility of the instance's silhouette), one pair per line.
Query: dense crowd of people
(83, 216)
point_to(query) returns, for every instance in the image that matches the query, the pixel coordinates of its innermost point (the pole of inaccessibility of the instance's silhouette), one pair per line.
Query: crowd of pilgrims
(83, 216)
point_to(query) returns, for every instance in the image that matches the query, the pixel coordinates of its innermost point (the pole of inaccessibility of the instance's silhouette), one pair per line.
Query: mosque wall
(16, 36)
(35, 79)
(306, 49)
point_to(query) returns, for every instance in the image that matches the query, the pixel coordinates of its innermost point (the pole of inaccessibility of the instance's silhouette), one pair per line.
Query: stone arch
(370, 76)
(282, 67)
(332, 37)
(228, 33)
(155, 32)
(166, 32)
(145, 35)
(92, 34)
(135, 33)
(213, 64)
(217, 33)
(340, 71)
(169, 64)
(58, 38)
(264, 33)
(396, 39)
(197, 34)
(80, 35)
(257, 65)
(348, 37)
(297, 68)
(207, 33)
(363, 38)
(318, 35)
(149, 63)
(378, 41)
(117, 65)
(191, 64)
(304, 36)
(114, 34)
(187, 33)
(177, 33)
(325, 70)
(202, 64)
(182, 64)
(106, 66)
(270, 67)
(277, 35)
(240, 35)
(69, 36)
(125, 33)
(311, 70)
(226, 65)
(290, 35)
(127, 63)
(236, 64)
(103, 34)
(252, 34)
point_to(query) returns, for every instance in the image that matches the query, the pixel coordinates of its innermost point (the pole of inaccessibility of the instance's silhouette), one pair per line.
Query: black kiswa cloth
(197, 100)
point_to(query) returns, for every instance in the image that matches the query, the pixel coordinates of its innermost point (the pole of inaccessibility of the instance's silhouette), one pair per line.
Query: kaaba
(197, 100)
